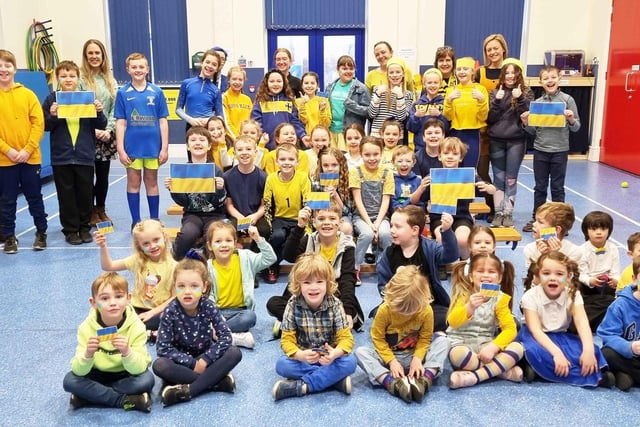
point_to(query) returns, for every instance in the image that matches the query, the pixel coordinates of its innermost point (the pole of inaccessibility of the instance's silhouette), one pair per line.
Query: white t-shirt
(555, 314)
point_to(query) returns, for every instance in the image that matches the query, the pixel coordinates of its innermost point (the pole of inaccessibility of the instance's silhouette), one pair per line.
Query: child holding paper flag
(72, 118)
(199, 188)
(551, 146)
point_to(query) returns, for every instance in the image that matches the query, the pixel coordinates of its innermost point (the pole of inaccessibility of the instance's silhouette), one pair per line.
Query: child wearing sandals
(476, 352)
(405, 357)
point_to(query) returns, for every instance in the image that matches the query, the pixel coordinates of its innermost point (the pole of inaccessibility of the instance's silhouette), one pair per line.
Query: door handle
(626, 82)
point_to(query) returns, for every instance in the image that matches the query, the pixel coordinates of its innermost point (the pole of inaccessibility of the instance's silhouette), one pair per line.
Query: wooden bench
(479, 208)
(507, 234)
(175, 209)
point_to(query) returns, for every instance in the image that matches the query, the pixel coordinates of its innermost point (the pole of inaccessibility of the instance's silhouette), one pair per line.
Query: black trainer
(11, 245)
(227, 384)
(173, 394)
(284, 389)
(73, 239)
(623, 381)
(78, 402)
(138, 402)
(40, 243)
(85, 236)
(344, 385)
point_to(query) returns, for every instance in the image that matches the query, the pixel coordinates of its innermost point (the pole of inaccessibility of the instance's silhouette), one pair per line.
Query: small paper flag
(318, 200)
(490, 289)
(244, 224)
(329, 179)
(449, 185)
(193, 178)
(547, 114)
(107, 334)
(601, 251)
(547, 233)
(105, 227)
(76, 104)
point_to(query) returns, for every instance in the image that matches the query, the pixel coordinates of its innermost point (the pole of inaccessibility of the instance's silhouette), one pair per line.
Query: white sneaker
(243, 339)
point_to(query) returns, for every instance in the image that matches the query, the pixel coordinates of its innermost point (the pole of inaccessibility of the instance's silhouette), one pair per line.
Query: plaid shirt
(313, 329)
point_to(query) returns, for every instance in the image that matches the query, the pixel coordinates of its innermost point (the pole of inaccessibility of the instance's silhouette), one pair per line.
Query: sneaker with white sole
(243, 339)
(344, 385)
(400, 387)
(284, 389)
(498, 220)
(227, 384)
(173, 394)
(11, 245)
(507, 220)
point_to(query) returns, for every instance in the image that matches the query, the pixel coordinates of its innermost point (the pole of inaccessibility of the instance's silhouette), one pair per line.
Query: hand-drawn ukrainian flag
(490, 289)
(107, 334)
(244, 224)
(193, 178)
(449, 185)
(105, 227)
(329, 179)
(318, 200)
(547, 114)
(76, 104)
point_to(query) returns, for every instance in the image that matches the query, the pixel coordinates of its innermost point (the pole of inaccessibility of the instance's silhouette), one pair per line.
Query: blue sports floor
(47, 297)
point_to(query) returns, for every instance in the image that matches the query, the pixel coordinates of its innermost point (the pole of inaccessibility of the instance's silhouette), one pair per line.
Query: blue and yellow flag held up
(449, 185)
(547, 114)
(193, 178)
(318, 200)
(329, 179)
(76, 104)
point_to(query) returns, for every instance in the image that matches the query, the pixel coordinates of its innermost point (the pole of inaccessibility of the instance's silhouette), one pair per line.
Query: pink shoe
(514, 374)
(461, 379)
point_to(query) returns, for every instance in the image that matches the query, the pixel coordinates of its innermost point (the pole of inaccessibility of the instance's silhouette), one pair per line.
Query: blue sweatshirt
(620, 326)
(415, 124)
(405, 186)
(279, 109)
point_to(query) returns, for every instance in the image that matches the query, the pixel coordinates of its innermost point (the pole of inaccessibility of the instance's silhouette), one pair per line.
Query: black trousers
(74, 185)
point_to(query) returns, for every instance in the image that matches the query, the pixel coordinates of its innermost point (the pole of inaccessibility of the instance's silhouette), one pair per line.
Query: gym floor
(39, 338)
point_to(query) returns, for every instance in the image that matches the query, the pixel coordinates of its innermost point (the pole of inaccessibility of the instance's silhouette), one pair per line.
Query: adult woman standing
(494, 51)
(283, 59)
(445, 61)
(96, 76)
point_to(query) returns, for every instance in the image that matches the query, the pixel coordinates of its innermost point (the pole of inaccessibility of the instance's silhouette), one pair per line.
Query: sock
(462, 357)
(154, 206)
(503, 361)
(133, 199)
(429, 374)
(386, 381)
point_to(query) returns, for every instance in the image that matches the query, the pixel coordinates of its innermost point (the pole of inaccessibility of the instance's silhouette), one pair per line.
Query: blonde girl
(312, 109)
(552, 352)
(476, 352)
(220, 143)
(236, 105)
(151, 265)
(190, 360)
(391, 101)
(320, 138)
(252, 129)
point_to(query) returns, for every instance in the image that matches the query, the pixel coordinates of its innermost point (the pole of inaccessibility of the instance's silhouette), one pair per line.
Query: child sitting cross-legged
(316, 338)
(405, 357)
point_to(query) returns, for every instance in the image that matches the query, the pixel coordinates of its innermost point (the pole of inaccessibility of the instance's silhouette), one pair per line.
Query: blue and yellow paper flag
(449, 185)
(76, 104)
(244, 224)
(490, 289)
(329, 179)
(318, 200)
(193, 178)
(547, 233)
(107, 334)
(105, 227)
(547, 114)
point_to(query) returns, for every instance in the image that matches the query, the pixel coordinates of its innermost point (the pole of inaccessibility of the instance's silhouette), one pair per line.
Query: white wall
(410, 26)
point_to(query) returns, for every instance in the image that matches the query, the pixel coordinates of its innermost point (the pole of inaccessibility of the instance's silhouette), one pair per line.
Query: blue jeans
(108, 388)
(365, 237)
(506, 158)
(316, 376)
(26, 177)
(239, 319)
(548, 168)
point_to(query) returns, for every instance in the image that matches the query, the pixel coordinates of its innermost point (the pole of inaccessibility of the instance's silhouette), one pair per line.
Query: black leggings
(101, 186)
(173, 373)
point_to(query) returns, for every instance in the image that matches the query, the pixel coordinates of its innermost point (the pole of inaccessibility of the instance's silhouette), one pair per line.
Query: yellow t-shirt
(237, 108)
(230, 293)
(329, 252)
(287, 198)
(466, 112)
(389, 186)
(155, 290)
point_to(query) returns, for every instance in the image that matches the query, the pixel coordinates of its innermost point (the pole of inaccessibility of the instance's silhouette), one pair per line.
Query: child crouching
(110, 368)
(316, 338)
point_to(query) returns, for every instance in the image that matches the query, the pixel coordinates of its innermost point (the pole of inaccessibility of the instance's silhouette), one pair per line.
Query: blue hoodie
(415, 124)
(620, 326)
(405, 186)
